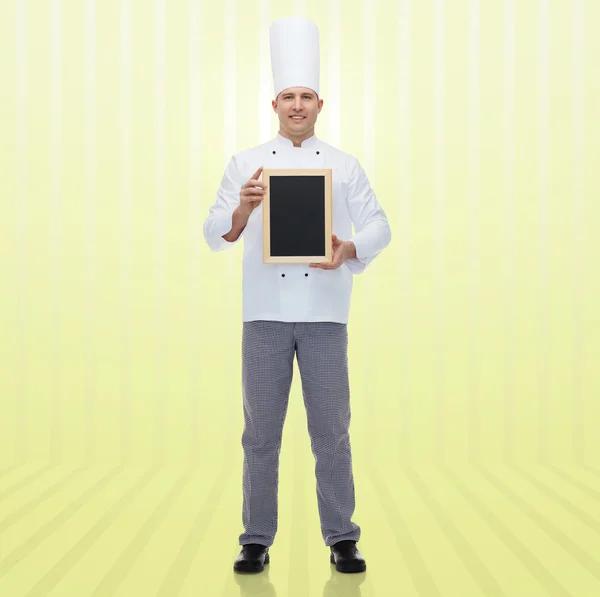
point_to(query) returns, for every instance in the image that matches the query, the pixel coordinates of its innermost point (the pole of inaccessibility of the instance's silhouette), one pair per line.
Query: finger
(254, 183)
(253, 191)
(257, 173)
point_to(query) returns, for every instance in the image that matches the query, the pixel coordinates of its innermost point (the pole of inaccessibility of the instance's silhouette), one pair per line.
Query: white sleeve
(220, 215)
(372, 232)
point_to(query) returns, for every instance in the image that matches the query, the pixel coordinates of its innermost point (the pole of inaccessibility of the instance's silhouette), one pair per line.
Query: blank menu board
(297, 215)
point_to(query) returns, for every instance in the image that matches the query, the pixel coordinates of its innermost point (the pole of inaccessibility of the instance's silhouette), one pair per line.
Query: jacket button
(317, 153)
(274, 151)
(283, 275)
(306, 275)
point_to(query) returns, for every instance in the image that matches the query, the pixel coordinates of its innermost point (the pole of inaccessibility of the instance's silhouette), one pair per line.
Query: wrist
(242, 213)
(350, 249)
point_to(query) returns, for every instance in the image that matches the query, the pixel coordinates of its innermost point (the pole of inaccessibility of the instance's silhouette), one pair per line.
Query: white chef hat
(294, 54)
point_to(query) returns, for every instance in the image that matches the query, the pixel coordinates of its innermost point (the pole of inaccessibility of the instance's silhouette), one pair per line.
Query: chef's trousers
(268, 349)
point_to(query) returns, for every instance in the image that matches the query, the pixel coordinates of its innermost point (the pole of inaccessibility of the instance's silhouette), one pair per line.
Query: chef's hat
(294, 54)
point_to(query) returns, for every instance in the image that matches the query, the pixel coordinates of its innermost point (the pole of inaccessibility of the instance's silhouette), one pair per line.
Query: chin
(297, 131)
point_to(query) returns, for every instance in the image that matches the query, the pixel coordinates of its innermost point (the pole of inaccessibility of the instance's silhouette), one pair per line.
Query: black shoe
(346, 557)
(252, 558)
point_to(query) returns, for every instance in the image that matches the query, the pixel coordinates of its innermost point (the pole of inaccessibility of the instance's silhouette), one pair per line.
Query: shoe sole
(362, 566)
(253, 570)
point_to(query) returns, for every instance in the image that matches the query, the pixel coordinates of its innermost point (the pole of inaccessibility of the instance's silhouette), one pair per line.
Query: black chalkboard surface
(297, 215)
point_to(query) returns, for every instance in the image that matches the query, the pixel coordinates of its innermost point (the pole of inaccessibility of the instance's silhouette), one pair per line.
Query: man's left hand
(342, 250)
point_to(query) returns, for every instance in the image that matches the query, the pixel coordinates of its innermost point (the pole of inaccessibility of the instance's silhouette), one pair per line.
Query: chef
(297, 309)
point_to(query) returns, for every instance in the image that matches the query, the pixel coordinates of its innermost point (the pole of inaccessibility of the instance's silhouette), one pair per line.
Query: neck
(297, 139)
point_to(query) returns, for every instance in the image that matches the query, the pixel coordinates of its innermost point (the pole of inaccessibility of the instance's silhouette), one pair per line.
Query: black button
(274, 152)
(317, 153)
(283, 275)
(306, 275)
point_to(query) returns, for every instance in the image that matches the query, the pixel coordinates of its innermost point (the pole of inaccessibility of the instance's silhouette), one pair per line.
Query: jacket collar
(285, 141)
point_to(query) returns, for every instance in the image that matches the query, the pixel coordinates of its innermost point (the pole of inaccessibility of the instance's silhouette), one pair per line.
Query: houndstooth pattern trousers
(268, 349)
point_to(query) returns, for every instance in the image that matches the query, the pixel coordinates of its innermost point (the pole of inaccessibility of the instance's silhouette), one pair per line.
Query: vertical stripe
(160, 225)
(544, 223)
(508, 52)
(333, 61)
(230, 146)
(196, 219)
(402, 225)
(21, 254)
(90, 251)
(265, 111)
(578, 226)
(370, 78)
(369, 74)
(474, 243)
(229, 79)
(229, 123)
(56, 394)
(439, 175)
(125, 225)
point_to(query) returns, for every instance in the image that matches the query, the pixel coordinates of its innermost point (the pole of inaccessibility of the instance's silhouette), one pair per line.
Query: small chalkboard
(297, 215)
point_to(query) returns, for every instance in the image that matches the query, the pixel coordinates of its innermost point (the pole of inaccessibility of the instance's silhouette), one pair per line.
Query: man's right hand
(250, 195)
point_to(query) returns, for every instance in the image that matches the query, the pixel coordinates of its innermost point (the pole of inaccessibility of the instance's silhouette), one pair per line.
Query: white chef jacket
(290, 291)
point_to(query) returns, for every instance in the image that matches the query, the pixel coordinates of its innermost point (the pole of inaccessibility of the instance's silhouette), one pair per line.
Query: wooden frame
(267, 174)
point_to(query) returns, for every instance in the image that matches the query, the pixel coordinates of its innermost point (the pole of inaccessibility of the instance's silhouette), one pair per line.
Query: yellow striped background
(474, 337)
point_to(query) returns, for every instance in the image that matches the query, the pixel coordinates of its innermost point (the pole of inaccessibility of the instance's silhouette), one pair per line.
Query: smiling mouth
(297, 117)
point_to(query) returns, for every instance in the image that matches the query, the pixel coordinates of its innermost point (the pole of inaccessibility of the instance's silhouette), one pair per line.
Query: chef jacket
(290, 291)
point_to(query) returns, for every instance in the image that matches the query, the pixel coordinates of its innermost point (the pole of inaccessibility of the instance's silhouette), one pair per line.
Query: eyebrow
(303, 93)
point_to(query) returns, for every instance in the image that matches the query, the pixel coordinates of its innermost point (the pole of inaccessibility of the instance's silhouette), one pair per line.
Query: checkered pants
(267, 367)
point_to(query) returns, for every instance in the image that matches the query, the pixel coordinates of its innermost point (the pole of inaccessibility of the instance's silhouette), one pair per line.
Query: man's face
(297, 101)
